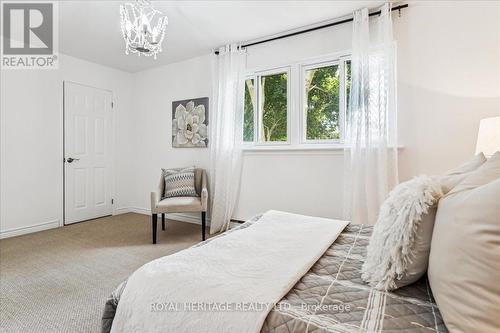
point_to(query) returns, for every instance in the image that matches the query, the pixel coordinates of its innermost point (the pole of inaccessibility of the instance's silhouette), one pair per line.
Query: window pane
(248, 117)
(273, 107)
(322, 103)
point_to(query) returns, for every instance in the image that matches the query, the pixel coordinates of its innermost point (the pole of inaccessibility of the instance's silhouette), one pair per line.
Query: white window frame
(255, 124)
(303, 101)
(256, 76)
(296, 99)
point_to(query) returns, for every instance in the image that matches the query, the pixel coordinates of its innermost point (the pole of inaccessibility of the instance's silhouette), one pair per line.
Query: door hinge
(112, 201)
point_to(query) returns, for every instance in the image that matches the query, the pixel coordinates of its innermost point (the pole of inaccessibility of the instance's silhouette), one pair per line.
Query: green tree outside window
(322, 104)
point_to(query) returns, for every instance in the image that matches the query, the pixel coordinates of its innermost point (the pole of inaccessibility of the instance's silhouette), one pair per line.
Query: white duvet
(229, 284)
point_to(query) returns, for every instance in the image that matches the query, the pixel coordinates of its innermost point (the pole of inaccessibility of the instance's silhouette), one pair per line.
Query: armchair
(180, 204)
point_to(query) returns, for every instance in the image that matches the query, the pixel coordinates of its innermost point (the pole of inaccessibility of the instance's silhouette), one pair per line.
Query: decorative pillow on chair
(179, 182)
(399, 248)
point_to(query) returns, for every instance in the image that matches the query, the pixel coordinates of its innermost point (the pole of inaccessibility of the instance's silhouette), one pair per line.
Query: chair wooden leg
(154, 220)
(163, 221)
(203, 225)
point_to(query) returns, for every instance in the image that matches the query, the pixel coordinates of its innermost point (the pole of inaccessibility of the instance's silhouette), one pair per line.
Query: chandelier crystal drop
(141, 34)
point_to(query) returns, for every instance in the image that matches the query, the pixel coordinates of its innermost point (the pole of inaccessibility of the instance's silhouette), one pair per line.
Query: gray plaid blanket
(331, 297)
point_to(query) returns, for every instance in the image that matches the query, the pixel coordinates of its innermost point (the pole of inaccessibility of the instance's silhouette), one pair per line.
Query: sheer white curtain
(371, 134)
(226, 134)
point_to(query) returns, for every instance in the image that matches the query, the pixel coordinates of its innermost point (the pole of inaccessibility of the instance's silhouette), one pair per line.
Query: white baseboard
(188, 218)
(29, 229)
(121, 210)
(195, 218)
(183, 217)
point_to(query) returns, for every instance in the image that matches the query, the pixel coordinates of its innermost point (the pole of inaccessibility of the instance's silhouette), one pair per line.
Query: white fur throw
(392, 246)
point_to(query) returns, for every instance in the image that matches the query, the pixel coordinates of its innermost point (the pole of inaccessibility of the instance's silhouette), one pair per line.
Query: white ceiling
(90, 30)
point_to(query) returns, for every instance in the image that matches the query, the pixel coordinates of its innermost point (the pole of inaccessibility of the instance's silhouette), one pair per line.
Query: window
(326, 91)
(315, 113)
(273, 99)
(322, 90)
(266, 104)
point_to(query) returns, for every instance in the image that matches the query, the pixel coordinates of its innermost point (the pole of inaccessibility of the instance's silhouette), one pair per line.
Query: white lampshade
(488, 138)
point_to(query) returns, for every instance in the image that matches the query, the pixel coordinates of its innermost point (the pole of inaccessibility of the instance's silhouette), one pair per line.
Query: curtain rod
(347, 20)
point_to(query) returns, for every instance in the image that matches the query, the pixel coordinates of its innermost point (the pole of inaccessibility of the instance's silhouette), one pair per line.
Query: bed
(331, 297)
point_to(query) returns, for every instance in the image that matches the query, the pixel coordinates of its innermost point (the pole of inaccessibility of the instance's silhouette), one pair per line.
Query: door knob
(71, 159)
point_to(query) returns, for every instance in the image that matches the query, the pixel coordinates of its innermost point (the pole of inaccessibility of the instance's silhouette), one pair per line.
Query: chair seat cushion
(179, 205)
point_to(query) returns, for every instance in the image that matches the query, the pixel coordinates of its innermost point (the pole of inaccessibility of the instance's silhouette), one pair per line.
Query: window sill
(292, 148)
(323, 149)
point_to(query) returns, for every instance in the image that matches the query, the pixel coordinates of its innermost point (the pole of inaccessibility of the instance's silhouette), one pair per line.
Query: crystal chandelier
(140, 33)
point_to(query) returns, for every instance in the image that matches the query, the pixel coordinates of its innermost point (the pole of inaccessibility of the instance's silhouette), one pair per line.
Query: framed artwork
(190, 123)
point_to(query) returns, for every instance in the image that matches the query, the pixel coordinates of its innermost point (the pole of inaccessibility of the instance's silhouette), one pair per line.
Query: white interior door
(87, 152)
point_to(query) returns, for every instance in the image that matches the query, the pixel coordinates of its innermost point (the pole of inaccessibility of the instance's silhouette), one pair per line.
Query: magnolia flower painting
(190, 123)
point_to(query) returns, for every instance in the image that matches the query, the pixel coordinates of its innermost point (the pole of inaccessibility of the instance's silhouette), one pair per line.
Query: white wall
(447, 80)
(269, 178)
(152, 118)
(299, 181)
(31, 141)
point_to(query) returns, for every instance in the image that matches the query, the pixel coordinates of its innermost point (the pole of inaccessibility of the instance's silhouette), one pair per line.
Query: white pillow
(464, 262)
(488, 172)
(399, 247)
(395, 243)
(453, 177)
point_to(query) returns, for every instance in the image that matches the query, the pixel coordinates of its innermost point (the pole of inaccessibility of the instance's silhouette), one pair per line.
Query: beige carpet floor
(58, 280)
